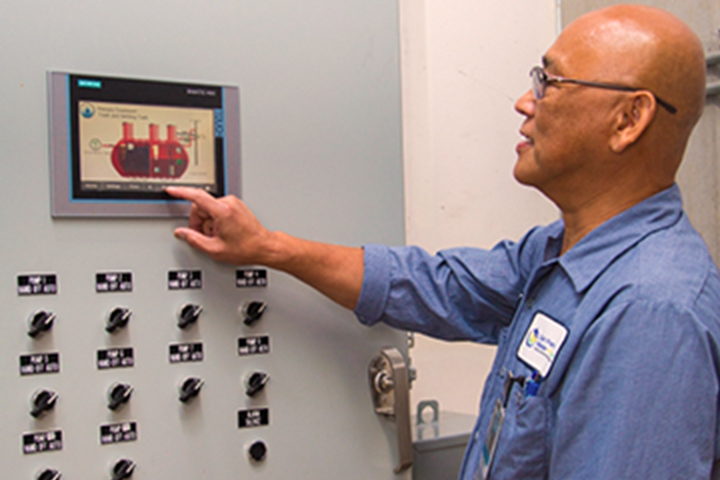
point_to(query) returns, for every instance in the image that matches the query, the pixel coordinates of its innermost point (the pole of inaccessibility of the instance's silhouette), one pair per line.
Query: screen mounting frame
(67, 198)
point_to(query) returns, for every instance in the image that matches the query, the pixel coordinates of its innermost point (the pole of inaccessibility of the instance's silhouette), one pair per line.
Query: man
(607, 322)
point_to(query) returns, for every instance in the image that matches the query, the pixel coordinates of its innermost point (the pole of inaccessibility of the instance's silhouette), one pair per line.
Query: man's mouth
(525, 143)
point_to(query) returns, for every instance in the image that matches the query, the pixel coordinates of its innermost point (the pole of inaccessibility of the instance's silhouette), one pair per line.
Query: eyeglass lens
(538, 82)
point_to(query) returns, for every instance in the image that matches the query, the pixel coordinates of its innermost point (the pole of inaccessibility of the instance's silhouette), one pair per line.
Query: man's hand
(223, 228)
(227, 231)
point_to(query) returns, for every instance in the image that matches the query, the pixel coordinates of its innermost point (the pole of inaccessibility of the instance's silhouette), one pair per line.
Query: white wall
(464, 63)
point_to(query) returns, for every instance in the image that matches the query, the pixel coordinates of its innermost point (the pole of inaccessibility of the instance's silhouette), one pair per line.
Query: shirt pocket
(524, 450)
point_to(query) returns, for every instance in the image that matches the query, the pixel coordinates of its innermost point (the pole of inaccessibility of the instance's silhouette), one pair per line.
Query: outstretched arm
(227, 231)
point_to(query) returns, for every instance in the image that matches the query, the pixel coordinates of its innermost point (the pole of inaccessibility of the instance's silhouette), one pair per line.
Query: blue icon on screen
(87, 110)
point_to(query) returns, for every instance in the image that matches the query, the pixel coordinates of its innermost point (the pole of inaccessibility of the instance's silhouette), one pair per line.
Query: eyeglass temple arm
(609, 86)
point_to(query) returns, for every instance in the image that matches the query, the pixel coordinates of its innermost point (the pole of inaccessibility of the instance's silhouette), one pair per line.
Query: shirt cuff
(376, 284)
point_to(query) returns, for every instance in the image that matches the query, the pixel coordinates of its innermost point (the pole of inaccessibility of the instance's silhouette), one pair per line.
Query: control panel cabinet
(238, 372)
(125, 354)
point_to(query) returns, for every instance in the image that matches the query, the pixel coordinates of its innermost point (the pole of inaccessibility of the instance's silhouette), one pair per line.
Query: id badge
(491, 440)
(541, 343)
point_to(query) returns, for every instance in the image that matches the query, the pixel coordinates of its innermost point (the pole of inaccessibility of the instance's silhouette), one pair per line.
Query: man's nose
(525, 105)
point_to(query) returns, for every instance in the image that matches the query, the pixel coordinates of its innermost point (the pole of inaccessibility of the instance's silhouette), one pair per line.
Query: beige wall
(464, 64)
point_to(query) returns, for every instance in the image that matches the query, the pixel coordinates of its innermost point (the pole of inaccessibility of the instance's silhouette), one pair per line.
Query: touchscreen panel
(117, 143)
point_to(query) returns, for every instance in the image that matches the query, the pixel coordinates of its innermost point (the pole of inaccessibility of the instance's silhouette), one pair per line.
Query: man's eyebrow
(546, 62)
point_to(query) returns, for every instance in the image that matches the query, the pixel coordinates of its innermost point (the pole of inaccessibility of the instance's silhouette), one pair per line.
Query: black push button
(257, 451)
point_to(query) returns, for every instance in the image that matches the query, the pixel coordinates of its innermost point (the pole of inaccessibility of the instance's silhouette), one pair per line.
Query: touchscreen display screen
(128, 139)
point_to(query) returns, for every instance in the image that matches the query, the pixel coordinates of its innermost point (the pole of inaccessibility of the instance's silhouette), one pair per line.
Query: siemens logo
(89, 83)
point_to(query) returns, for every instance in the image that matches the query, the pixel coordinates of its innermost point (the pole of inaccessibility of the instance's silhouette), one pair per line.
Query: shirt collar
(586, 260)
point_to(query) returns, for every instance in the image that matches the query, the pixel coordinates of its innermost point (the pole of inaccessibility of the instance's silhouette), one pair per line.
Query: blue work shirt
(633, 391)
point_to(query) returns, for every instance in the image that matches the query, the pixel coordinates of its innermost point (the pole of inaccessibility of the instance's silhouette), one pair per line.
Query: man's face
(564, 129)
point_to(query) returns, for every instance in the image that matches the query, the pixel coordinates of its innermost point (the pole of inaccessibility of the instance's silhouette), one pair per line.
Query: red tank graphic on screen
(151, 157)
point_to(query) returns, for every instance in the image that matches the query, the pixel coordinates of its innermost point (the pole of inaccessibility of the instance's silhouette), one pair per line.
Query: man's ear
(632, 120)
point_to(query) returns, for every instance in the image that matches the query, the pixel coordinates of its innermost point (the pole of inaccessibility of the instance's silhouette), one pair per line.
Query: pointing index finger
(199, 197)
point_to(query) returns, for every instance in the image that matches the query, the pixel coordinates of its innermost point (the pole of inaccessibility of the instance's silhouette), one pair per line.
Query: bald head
(645, 47)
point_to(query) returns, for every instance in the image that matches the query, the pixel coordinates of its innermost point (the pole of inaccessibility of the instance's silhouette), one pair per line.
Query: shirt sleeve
(457, 294)
(640, 398)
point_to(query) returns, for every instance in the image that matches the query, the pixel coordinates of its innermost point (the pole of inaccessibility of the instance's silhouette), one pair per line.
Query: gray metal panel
(321, 158)
(439, 446)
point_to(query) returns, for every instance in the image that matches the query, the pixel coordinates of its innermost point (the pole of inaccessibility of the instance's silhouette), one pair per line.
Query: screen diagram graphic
(139, 143)
(150, 158)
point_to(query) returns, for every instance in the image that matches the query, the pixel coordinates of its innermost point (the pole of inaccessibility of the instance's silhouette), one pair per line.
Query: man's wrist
(280, 251)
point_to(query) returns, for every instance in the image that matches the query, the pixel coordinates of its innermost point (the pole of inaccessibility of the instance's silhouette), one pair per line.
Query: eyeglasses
(541, 79)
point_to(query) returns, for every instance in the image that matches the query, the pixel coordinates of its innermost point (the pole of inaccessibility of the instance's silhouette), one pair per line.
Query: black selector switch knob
(40, 322)
(117, 319)
(190, 389)
(189, 315)
(42, 402)
(122, 469)
(48, 474)
(257, 451)
(118, 395)
(255, 383)
(253, 311)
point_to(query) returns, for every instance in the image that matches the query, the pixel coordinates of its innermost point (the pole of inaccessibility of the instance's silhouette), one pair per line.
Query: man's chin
(523, 176)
